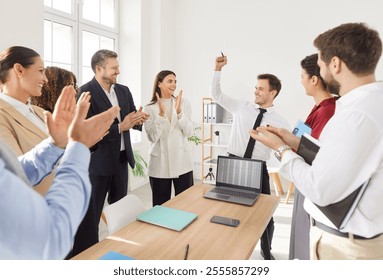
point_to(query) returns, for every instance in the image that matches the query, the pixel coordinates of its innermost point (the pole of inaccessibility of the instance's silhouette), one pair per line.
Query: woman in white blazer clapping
(168, 129)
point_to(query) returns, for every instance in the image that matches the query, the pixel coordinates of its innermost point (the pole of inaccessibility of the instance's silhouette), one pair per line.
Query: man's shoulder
(121, 87)
(88, 85)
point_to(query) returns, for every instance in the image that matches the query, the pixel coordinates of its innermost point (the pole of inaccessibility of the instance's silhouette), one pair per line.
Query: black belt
(337, 232)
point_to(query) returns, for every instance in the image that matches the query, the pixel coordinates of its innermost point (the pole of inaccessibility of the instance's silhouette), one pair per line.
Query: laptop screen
(240, 172)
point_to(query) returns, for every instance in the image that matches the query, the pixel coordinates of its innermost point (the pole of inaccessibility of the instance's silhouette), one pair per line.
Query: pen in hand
(222, 54)
(186, 251)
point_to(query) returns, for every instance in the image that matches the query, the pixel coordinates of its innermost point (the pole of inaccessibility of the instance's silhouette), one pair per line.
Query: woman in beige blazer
(22, 126)
(168, 128)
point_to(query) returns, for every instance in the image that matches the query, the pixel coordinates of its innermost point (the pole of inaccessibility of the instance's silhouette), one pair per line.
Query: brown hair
(58, 78)
(159, 78)
(358, 46)
(13, 55)
(310, 65)
(100, 57)
(274, 82)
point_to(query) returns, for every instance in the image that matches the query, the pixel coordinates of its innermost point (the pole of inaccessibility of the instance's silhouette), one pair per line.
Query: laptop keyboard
(234, 193)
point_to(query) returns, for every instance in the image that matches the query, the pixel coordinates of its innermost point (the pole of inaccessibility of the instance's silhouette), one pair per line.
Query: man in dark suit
(108, 170)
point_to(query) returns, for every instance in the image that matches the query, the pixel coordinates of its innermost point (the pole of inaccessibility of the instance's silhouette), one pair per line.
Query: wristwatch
(280, 150)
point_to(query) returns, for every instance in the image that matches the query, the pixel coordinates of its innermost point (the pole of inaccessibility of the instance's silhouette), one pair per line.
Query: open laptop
(238, 180)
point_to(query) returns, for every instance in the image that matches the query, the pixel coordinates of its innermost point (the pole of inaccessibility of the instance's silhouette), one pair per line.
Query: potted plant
(195, 138)
(141, 165)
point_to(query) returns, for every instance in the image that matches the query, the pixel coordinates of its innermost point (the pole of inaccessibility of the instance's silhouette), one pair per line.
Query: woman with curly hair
(58, 78)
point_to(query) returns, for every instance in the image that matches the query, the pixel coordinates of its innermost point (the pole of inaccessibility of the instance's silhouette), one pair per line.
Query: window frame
(79, 25)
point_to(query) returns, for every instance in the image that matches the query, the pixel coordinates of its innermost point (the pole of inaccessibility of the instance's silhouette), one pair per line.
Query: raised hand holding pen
(220, 61)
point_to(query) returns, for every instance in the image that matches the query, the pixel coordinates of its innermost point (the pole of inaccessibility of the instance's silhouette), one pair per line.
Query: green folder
(167, 217)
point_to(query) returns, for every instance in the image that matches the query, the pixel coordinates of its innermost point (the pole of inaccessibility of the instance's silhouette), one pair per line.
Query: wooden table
(206, 240)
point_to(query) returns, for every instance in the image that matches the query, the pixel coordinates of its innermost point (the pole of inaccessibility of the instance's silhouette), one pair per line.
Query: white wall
(21, 24)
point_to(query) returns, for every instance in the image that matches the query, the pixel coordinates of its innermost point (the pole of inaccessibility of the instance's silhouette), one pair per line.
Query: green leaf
(141, 165)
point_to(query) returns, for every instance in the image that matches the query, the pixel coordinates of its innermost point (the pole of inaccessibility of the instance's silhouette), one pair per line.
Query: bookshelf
(214, 119)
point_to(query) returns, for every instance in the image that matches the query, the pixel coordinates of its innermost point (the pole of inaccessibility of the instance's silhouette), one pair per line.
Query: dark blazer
(106, 153)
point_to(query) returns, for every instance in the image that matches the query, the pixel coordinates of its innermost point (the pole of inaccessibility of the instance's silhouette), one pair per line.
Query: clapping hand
(63, 113)
(133, 118)
(160, 105)
(178, 102)
(90, 131)
(267, 136)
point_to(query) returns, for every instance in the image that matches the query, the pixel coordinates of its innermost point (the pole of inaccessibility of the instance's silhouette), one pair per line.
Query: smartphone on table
(225, 221)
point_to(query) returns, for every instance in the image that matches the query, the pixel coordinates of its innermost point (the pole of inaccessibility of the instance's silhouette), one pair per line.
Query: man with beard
(108, 170)
(351, 152)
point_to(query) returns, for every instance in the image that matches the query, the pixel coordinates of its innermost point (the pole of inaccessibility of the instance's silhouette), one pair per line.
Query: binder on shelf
(213, 107)
(209, 113)
(205, 112)
(216, 113)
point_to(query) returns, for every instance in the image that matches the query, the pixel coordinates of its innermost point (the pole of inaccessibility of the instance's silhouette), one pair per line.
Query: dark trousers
(116, 187)
(267, 235)
(162, 187)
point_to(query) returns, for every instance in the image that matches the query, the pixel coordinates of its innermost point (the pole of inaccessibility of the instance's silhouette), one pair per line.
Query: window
(101, 12)
(92, 42)
(58, 49)
(60, 5)
(75, 30)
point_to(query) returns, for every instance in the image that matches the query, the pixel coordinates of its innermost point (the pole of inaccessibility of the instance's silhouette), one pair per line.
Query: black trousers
(116, 187)
(162, 187)
(267, 235)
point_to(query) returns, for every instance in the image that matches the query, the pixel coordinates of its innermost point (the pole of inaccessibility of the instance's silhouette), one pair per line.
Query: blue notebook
(112, 255)
(167, 217)
(301, 128)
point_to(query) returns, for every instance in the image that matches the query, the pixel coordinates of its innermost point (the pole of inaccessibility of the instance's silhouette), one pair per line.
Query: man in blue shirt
(36, 227)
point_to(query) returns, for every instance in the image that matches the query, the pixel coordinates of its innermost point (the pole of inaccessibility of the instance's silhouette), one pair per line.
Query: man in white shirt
(351, 152)
(245, 115)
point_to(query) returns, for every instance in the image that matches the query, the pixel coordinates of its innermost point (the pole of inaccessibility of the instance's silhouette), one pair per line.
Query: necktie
(251, 143)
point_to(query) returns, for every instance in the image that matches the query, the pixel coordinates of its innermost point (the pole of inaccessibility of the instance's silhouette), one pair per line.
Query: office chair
(122, 212)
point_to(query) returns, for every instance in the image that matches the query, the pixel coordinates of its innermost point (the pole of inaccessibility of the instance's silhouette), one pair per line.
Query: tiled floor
(282, 220)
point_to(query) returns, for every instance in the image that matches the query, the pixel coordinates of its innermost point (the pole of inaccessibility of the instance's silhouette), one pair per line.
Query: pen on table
(186, 251)
(222, 54)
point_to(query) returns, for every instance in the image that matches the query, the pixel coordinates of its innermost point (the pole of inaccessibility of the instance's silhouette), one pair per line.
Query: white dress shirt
(351, 153)
(113, 99)
(244, 116)
(26, 110)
